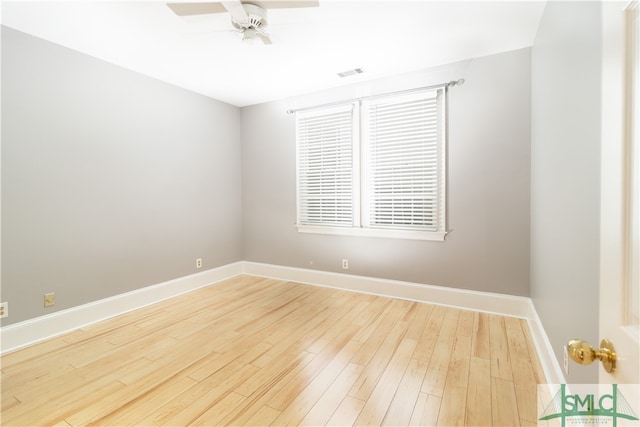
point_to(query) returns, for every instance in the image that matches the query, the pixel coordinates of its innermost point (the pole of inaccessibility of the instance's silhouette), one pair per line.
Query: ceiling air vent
(351, 72)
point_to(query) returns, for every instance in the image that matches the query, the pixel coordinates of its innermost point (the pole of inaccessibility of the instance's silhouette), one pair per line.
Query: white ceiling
(310, 45)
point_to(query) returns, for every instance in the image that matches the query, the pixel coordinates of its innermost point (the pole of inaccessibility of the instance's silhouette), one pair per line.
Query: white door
(620, 217)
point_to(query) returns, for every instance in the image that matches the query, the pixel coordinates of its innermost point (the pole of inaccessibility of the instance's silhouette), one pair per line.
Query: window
(374, 167)
(325, 167)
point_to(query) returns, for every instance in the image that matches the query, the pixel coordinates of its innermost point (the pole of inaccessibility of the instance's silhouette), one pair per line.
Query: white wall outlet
(49, 299)
(345, 264)
(199, 263)
(4, 310)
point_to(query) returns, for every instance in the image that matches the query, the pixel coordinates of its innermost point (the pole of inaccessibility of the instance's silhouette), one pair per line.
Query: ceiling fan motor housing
(256, 18)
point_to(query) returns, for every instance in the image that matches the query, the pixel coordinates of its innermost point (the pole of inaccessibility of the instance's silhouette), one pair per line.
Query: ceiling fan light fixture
(249, 18)
(250, 36)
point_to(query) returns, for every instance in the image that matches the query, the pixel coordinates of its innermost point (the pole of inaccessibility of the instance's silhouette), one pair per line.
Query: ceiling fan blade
(186, 9)
(235, 9)
(265, 38)
(282, 4)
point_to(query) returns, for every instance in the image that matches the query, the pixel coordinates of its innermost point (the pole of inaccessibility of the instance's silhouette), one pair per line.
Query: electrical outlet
(49, 299)
(199, 263)
(345, 264)
(4, 310)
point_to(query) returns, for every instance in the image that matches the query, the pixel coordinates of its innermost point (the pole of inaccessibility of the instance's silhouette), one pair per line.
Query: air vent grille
(349, 73)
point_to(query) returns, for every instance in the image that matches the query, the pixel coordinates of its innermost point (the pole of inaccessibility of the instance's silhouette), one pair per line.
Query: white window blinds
(325, 166)
(374, 167)
(405, 167)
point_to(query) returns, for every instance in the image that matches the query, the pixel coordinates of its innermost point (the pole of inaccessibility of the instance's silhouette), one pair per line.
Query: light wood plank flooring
(255, 351)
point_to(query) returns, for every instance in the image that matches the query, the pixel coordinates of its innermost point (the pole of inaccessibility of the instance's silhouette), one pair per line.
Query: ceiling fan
(249, 18)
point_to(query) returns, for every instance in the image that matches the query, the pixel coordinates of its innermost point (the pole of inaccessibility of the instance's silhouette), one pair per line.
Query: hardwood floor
(255, 351)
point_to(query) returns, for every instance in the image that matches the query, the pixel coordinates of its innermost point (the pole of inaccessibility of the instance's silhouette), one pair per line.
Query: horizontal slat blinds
(405, 161)
(325, 166)
(374, 167)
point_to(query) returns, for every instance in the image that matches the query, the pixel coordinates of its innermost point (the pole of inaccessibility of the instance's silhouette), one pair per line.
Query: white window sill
(438, 236)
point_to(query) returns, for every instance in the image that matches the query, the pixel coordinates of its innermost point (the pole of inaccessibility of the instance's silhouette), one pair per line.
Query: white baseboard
(23, 334)
(550, 365)
(507, 305)
(31, 331)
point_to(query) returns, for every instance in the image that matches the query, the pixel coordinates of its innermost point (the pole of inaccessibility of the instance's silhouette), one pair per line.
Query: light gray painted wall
(489, 148)
(565, 178)
(103, 197)
(111, 181)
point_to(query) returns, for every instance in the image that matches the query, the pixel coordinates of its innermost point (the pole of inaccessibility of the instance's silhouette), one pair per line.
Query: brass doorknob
(583, 353)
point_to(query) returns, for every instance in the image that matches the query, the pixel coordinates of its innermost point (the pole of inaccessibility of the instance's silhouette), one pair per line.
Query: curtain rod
(452, 83)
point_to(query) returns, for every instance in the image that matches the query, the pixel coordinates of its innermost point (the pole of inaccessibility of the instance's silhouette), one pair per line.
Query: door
(620, 195)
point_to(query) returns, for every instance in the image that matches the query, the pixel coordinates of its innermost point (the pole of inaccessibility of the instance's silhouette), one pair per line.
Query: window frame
(360, 162)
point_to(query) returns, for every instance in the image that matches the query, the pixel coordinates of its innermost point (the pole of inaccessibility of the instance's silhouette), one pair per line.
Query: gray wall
(489, 148)
(111, 181)
(565, 179)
